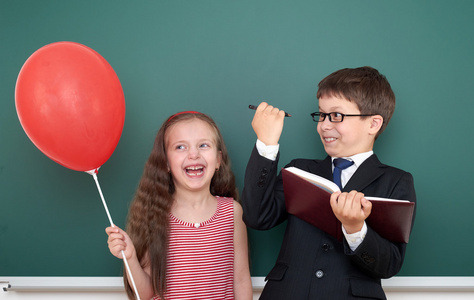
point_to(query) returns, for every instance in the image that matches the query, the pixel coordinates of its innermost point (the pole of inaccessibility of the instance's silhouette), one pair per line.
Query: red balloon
(71, 105)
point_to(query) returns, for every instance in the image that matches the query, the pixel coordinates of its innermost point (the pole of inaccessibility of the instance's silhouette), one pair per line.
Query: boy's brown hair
(365, 86)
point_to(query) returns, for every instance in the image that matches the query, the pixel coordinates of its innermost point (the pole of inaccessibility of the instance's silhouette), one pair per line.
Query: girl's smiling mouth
(194, 170)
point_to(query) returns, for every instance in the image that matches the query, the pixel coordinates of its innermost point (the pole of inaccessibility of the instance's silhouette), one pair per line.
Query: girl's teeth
(195, 174)
(194, 171)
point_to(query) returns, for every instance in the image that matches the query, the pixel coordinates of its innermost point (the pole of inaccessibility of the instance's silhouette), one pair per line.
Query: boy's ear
(376, 123)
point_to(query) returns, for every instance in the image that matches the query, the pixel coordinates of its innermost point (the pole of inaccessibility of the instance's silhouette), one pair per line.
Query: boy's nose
(326, 124)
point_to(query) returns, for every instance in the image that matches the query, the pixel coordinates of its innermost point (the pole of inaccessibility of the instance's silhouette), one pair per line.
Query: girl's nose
(193, 152)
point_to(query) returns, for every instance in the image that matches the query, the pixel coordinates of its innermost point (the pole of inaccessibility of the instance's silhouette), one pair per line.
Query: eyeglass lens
(333, 117)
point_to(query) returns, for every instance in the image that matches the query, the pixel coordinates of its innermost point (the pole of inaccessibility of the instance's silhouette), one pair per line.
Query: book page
(328, 185)
(322, 182)
(383, 199)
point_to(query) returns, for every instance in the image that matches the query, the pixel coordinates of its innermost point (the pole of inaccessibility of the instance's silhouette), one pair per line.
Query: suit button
(326, 247)
(319, 273)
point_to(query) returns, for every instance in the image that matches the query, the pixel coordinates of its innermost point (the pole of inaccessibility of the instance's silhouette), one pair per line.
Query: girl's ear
(376, 123)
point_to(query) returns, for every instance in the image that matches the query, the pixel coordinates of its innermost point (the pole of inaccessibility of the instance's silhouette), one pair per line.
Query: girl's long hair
(148, 218)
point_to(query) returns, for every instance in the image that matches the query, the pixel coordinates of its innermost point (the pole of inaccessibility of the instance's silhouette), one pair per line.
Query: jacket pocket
(367, 289)
(277, 272)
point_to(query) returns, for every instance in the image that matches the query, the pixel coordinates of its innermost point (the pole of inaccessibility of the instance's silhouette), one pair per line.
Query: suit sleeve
(262, 198)
(377, 256)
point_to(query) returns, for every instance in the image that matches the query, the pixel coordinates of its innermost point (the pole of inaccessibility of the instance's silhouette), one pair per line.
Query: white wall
(111, 288)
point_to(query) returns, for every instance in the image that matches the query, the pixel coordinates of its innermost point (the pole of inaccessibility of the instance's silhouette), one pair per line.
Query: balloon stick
(94, 174)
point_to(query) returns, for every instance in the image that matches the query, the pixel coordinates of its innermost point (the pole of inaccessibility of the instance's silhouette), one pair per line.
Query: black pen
(255, 108)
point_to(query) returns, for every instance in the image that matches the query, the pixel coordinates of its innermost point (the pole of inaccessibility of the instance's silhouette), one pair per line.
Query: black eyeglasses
(333, 116)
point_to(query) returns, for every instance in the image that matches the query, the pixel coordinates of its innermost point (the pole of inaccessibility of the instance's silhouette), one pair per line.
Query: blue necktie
(339, 165)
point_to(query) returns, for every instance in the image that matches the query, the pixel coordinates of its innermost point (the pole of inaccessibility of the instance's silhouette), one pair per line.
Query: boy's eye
(337, 117)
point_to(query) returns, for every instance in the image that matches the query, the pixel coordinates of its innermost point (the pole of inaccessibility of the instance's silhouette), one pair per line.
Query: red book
(307, 197)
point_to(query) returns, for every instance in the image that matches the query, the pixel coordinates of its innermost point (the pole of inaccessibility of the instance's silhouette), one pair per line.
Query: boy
(355, 106)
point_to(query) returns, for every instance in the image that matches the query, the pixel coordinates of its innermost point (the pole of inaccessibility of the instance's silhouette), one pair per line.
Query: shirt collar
(358, 159)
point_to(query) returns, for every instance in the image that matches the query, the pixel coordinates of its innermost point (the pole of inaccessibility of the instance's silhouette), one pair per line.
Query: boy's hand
(351, 209)
(268, 123)
(119, 240)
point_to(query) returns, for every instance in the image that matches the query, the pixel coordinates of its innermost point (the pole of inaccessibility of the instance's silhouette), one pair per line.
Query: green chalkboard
(218, 57)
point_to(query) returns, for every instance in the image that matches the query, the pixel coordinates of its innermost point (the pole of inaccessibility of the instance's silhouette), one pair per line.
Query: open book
(307, 197)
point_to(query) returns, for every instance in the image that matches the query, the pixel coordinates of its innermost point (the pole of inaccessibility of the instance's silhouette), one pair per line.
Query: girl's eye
(204, 145)
(180, 147)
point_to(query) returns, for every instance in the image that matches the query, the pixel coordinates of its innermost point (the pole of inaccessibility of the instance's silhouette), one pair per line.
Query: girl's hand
(119, 240)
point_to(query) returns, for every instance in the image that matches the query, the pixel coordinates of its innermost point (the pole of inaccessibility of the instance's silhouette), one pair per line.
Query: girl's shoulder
(229, 201)
(225, 199)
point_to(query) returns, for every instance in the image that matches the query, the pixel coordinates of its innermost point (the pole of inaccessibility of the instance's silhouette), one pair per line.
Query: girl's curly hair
(148, 218)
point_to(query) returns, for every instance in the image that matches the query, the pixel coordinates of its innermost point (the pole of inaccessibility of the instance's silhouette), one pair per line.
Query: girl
(185, 236)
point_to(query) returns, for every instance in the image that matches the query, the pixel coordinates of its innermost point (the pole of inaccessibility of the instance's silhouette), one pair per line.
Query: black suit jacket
(312, 264)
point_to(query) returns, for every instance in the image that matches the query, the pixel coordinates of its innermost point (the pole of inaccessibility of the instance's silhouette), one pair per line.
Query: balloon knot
(92, 172)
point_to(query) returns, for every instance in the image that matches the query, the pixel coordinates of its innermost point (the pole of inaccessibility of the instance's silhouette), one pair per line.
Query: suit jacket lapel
(323, 168)
(368, 172)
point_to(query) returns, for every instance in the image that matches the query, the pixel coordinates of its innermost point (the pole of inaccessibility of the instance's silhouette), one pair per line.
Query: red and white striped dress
(201, 256)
